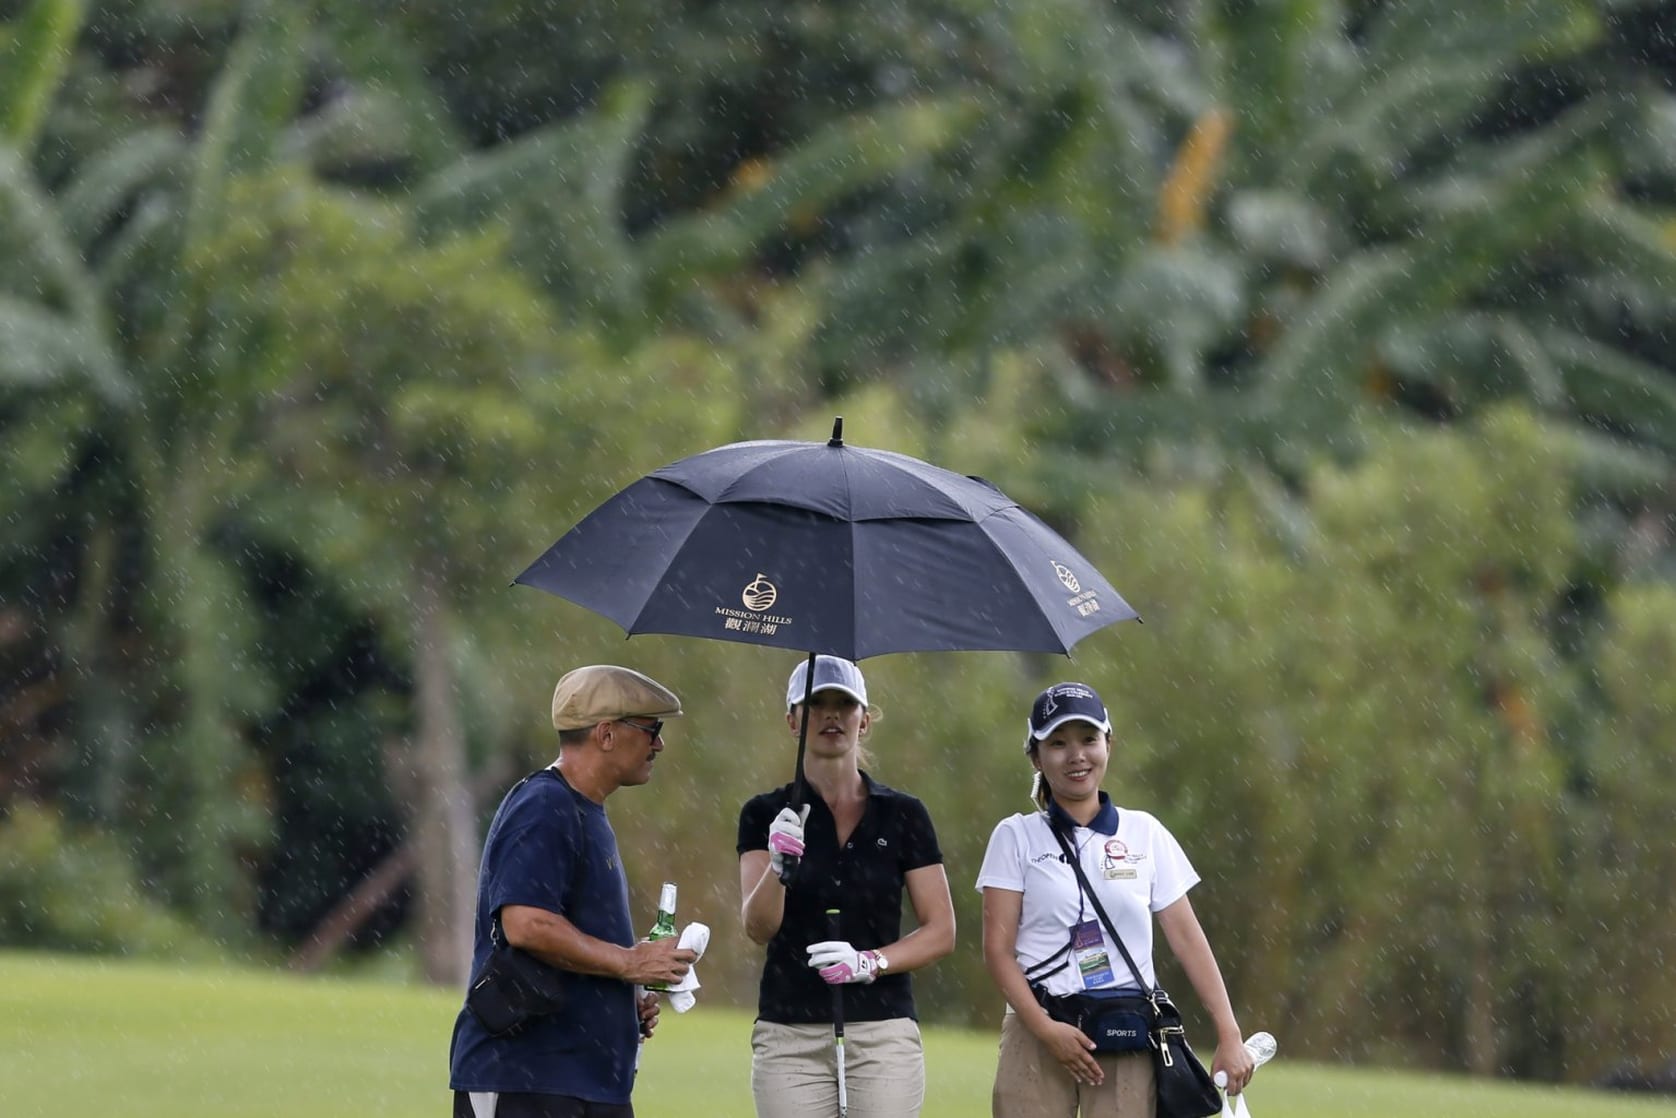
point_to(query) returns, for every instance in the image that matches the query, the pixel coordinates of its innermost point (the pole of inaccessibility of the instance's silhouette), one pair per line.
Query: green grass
(82, 1037)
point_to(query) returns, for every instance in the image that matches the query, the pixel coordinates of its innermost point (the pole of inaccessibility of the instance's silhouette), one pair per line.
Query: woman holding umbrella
(1047, 948)
(862, 845)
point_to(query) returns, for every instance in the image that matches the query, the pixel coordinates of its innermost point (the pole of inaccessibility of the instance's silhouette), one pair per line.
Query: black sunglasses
(651, 731)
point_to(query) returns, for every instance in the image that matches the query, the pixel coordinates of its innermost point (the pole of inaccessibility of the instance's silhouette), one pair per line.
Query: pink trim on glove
(840, 973)
(836, 974)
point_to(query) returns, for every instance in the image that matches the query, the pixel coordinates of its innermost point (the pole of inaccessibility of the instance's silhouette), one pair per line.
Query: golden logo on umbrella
(759, 594)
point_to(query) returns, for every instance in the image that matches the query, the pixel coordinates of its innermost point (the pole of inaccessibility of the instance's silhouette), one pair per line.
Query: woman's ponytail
(1040, 795)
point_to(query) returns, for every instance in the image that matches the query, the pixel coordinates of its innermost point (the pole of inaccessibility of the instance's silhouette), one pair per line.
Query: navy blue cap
(1062, 703)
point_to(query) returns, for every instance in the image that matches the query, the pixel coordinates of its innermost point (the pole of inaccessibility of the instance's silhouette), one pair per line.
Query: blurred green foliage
(69, 889)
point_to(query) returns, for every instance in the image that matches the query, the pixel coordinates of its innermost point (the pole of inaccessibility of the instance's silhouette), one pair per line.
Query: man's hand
(838, 962)
(785, 838)
(649, 1007)
(658, 962)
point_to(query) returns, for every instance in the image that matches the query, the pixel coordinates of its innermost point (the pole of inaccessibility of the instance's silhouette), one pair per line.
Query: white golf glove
(838, 962)
(785, 838)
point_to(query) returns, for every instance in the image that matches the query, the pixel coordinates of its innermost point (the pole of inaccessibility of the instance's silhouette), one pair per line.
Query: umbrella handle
(790, 862)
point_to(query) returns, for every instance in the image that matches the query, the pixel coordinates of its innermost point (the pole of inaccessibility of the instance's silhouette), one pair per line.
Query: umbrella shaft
(790, 862)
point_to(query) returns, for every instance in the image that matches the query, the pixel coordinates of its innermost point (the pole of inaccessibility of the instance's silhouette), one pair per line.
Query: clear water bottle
(665, 926)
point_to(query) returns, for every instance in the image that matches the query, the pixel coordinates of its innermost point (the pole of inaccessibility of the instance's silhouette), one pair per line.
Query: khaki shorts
(1030, 1083)
(794, 1069)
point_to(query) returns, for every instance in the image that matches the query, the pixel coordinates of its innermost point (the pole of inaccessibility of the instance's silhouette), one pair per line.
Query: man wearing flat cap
(551, 884)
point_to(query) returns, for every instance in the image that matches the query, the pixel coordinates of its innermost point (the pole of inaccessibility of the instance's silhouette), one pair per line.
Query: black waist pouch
(513, 987)
(1115, 1021)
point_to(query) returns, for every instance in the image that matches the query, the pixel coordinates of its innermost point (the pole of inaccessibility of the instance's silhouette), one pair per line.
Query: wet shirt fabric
(865, 880)
(1134, 864)
(551, 847)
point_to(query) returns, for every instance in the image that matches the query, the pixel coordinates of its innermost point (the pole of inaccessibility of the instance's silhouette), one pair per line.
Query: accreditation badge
(1088, 947)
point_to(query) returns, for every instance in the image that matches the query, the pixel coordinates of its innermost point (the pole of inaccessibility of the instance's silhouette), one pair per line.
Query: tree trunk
(352, 911)
(375, 890)
(1479, 1032)
(442, 822)
(197, 759)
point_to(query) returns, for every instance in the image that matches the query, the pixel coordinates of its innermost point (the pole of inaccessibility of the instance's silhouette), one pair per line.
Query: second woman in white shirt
(1043, 940)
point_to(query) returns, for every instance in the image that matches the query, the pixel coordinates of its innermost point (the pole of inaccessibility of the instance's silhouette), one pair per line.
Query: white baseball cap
(832, 673)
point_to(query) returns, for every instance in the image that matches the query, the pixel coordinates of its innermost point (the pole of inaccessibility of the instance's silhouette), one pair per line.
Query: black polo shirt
(865, 881)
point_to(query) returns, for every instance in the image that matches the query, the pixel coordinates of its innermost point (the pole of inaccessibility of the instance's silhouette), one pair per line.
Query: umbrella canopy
(824, 547)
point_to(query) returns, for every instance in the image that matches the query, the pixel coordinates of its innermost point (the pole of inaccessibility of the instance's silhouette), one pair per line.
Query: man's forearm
(557, 942)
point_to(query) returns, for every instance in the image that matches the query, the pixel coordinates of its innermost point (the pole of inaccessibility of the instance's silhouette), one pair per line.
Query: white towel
(694, 937)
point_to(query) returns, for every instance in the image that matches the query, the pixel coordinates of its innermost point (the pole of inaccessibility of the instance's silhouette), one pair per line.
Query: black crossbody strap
(1041, 970)
(495, 933)
(1088, 891)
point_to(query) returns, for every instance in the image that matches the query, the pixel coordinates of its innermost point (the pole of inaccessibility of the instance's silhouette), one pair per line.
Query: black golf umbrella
(828, 548)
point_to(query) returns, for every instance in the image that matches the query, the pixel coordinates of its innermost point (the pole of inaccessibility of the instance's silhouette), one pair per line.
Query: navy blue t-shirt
(551, 847)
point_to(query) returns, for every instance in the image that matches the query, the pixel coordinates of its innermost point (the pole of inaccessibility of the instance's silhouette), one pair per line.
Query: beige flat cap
(603, 692)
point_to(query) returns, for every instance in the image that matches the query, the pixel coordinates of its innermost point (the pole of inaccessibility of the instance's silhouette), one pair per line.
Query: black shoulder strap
(495, 933)
(1045, 969)
(1088, 891)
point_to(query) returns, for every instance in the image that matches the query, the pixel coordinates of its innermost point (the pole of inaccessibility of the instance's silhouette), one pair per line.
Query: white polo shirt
(1136, 871)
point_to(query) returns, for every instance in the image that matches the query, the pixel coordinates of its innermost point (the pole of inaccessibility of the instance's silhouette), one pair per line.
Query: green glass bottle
(665, 926)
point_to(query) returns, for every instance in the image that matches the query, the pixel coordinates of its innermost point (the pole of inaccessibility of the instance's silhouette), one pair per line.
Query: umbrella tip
(837, 438)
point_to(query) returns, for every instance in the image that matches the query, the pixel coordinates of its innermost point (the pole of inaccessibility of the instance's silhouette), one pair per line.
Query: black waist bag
(513, 987)
(1115, 1022)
